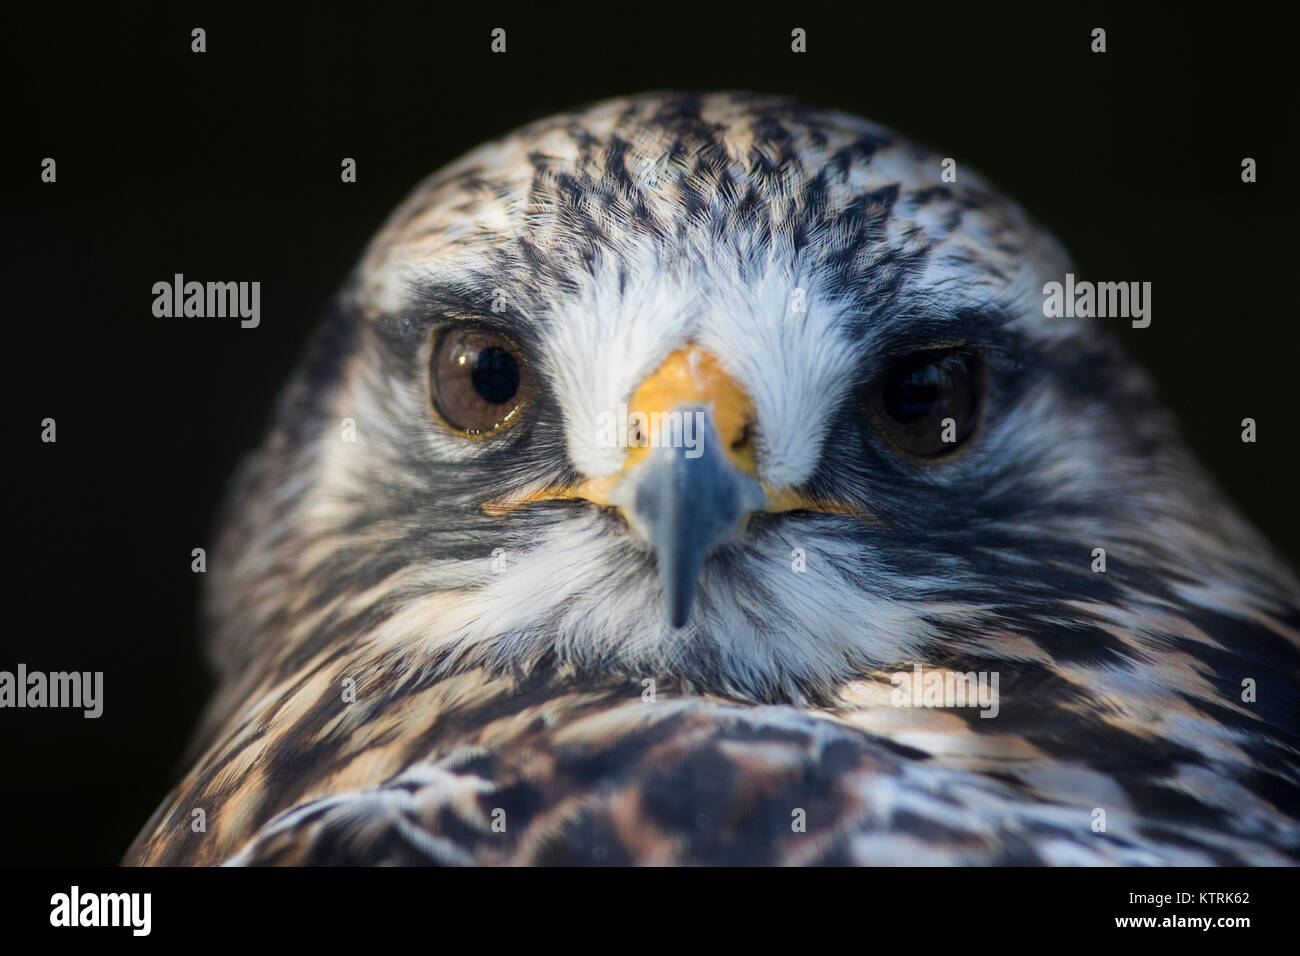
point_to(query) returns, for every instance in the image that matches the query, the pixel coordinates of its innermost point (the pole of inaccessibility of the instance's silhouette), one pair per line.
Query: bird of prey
(652, 463)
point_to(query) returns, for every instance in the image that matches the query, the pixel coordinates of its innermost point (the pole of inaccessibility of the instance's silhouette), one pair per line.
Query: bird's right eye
(478, 380)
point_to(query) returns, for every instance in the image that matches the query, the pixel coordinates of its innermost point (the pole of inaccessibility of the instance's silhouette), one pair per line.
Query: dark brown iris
(478, 380)
(928, 404)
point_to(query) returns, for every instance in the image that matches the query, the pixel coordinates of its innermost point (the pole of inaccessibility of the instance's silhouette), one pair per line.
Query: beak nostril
(743, 438)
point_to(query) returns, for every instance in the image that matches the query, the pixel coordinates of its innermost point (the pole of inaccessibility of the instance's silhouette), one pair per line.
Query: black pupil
(495, 376)
(910, 396)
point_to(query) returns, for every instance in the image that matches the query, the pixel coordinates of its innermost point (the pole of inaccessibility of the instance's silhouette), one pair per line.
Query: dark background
(225, 165)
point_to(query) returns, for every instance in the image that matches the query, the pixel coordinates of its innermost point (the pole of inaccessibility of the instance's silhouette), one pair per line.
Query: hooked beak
(686, 502)
(688, 483)
(691, 483)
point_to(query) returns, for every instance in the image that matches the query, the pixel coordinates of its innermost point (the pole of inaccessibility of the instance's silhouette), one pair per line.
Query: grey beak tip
(680, 615)
(679, 592)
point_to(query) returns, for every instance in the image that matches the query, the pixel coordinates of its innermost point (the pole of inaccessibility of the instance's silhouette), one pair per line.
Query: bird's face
(741, 394)
(751, 401)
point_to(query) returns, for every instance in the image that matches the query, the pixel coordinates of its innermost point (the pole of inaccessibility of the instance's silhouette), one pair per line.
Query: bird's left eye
(928, 404)
(478, 380)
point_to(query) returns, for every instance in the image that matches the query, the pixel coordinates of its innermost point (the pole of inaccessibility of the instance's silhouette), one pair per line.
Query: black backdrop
(226, 165)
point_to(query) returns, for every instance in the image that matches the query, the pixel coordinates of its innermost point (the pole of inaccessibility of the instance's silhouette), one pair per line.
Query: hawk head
(751, 398)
